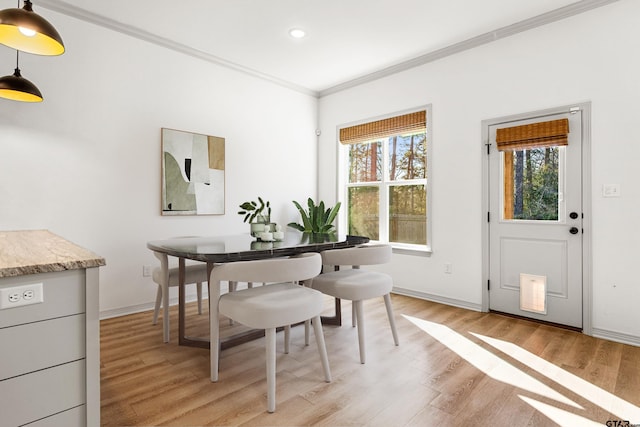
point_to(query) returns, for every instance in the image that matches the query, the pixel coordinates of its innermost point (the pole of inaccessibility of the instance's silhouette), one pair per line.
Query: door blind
(535, 135)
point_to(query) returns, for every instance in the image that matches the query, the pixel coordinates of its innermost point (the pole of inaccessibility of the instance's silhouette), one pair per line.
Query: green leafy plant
(251, 210)
(316, 219)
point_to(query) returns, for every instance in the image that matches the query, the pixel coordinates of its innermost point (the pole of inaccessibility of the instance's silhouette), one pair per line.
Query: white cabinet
(50, 351)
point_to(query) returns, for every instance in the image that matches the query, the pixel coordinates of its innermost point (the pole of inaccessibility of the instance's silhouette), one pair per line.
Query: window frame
(343, 184)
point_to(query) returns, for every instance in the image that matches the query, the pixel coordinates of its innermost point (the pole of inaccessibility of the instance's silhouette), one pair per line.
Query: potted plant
(316, 219)
(257, 214)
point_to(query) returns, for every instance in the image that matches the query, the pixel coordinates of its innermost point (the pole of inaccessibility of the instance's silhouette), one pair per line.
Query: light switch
(611, 190)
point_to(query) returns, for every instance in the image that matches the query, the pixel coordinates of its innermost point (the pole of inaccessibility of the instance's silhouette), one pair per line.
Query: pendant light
(18, 88)
(25, 30)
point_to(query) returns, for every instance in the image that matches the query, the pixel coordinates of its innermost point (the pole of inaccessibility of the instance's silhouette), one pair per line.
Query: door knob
(573, 230)
(573, 215)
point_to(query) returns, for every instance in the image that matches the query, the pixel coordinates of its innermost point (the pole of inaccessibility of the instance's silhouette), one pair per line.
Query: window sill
(423, 251)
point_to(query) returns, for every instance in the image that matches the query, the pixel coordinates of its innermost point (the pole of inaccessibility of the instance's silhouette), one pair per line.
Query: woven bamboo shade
(536, 135)
(407, 123)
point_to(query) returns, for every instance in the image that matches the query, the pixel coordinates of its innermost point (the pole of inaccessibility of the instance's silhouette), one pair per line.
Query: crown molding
(528, 24)
(500, 33)
(102, 21)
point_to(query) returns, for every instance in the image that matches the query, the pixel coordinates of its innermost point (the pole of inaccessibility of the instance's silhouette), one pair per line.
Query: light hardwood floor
(454, 367)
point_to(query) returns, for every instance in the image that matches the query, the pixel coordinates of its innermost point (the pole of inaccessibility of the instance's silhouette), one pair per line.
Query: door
(535, 218)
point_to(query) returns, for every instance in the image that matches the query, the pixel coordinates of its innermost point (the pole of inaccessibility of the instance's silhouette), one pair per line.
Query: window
(533, 167)
(384, 179)
(531, 184)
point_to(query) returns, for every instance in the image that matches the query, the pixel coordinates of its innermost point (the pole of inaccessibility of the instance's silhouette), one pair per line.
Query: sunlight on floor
(499, 369)
(488, 362)
(560, 416)
(607, 401)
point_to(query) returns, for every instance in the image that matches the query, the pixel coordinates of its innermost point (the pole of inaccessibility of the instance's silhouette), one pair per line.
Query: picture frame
(193, 173)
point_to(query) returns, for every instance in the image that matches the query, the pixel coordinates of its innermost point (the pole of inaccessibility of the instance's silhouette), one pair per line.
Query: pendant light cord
(17, 50)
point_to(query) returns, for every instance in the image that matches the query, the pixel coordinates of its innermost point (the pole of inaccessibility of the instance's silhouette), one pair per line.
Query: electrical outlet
(146, 270)
(16, 296)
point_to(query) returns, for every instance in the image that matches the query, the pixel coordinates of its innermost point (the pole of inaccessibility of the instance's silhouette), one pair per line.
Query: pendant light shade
(18, 88)
(25, 30)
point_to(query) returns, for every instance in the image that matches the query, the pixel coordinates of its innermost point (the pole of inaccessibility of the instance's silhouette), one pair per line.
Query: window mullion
(384, 193)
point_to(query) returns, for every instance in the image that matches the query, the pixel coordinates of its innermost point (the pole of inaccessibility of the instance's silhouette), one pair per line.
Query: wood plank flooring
(454, 367)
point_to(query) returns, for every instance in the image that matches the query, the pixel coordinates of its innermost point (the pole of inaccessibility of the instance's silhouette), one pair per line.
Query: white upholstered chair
(166, 277)
(268, 307)
(357, 284)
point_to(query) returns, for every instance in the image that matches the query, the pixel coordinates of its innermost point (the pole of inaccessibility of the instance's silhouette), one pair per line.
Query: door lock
(573, 215)
(573, 230)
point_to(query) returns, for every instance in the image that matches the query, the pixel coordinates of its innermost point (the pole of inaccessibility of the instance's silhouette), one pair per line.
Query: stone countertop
(40, 251)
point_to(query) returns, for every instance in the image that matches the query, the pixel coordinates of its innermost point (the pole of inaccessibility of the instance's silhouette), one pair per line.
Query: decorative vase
(257, 228)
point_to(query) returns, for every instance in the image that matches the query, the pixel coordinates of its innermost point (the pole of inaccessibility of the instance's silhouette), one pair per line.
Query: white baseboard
(616, 336)
(437, 298)
(123, 311)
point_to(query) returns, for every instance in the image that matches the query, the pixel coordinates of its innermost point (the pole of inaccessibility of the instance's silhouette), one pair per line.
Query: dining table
(214, 250)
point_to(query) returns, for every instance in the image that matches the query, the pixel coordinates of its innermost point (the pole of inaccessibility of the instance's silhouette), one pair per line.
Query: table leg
(209, 294)
(336, 319)
(181, 302)
(182, 338)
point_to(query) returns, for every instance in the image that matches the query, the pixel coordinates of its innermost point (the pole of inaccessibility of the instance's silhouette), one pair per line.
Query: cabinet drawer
(63, 292)
(76, 417)
(34, 396)
(40, 345)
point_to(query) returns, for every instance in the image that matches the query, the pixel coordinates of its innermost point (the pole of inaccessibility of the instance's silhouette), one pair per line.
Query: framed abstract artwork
(192, 173)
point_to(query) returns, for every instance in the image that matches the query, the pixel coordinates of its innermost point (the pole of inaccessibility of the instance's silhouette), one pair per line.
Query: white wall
(590, 57)
(85, 163)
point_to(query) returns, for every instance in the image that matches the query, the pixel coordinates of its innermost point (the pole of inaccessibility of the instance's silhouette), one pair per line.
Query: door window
(532, 184)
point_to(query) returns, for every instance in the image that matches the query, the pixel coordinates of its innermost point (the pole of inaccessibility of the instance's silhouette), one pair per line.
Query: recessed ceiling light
(297, 33)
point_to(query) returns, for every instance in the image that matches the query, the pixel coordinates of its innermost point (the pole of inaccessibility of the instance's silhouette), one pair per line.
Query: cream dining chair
(166, 277)
(268, 307)
(357, 284)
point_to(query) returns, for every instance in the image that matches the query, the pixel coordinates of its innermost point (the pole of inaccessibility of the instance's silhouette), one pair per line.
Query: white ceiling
(347, 40)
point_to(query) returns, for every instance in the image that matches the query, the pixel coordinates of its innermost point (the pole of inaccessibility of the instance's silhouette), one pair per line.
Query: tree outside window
(535, 184)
